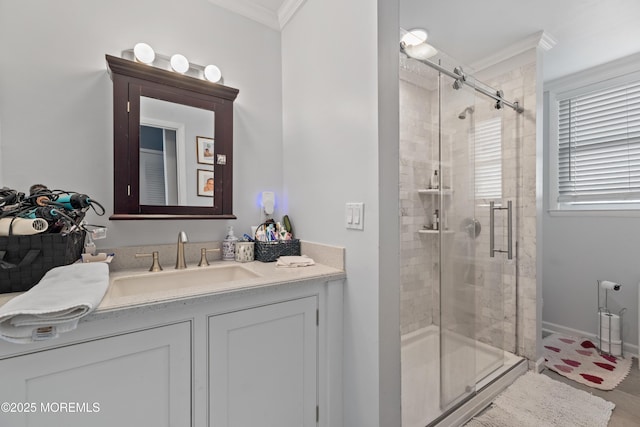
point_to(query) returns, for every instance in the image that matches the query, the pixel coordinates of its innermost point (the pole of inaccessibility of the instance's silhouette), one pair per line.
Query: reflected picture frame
(205, 183)
(205, 150)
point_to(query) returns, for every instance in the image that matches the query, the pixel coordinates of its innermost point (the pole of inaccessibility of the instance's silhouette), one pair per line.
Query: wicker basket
(271, 251)
(25, 259)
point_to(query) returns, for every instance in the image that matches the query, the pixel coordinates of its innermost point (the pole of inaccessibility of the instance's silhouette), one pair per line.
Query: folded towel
(63, 296)
(294, 261)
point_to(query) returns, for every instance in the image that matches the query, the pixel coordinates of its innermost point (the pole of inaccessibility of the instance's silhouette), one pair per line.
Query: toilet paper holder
(614, 335)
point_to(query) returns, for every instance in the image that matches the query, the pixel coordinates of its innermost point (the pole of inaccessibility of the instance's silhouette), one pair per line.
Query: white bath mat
(578, 359)
(535, 400)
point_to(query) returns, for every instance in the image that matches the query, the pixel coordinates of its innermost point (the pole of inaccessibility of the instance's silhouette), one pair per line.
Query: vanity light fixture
(178, 63)
(144, 53)
(212, 73)
(414, 37)
(414, 43)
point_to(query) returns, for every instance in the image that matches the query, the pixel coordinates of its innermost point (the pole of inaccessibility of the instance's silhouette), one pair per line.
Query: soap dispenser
(435, 220)
(435, 181)
(229, 245)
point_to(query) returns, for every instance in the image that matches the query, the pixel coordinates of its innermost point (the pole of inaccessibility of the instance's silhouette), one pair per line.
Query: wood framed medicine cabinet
(187, 106)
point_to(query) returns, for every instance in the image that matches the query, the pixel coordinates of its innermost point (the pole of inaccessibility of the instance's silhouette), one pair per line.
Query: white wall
(579, 249)
(577, 252)
(56, 99)
(332, 150)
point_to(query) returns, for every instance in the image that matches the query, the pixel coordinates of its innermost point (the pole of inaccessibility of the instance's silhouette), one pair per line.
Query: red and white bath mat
(578, 359)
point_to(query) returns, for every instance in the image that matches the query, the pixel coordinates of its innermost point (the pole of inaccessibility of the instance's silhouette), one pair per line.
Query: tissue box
(25, 259)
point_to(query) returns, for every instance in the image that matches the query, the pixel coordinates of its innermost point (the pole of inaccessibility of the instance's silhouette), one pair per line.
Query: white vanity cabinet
(263, 366)
(133, 379)
(269, 356)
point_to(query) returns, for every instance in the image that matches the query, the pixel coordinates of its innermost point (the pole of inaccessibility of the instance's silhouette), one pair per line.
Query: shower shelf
(428, 231)
(446, 192)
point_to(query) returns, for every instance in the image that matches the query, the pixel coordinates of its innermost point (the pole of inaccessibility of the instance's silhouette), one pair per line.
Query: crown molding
(273, 19)
(251, 10)
(287, 10)
(541, 40)
(547, 42)
(617, 68)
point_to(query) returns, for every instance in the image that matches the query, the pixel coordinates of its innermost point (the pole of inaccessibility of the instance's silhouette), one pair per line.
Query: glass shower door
(477, 244)
(457, 245)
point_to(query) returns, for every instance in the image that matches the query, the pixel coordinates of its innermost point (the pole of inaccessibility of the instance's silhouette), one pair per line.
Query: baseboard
(629, 350)
(537, 366)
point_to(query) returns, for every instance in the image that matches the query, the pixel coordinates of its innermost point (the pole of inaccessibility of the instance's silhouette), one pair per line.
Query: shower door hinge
(317, 317)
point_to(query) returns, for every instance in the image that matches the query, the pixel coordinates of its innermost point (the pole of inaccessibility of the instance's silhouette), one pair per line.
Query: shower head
(463, 115)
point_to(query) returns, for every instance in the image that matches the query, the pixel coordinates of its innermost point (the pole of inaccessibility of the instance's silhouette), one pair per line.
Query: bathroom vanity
(257, 348)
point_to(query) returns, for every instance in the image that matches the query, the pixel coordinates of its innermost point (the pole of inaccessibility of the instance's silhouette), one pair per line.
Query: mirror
(165, 131)
(173, 144)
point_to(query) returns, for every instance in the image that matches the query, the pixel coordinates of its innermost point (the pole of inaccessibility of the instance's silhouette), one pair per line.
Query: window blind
(488, 159)
(152, 182)
(599, 146)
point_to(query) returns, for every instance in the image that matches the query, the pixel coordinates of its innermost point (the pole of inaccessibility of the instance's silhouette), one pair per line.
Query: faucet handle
(203, 256)
(156, 262)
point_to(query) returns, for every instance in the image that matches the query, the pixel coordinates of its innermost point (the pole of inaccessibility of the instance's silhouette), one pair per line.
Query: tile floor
(626, 396)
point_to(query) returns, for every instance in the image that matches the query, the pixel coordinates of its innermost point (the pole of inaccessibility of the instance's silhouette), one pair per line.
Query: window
(488, 159)
(598, 152)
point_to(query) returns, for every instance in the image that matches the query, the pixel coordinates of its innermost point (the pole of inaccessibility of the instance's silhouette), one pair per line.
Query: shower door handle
(492, 229)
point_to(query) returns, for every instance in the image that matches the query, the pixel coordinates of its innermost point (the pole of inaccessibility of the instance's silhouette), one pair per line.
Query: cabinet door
(263, 366)
(135, 379)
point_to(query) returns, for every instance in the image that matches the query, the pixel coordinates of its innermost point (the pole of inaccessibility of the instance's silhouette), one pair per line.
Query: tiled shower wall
(418, 263)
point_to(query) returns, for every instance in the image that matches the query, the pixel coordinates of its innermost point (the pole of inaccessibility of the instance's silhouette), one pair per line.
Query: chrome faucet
(181, 263)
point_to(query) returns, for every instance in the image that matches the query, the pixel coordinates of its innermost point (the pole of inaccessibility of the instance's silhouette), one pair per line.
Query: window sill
(621, 213)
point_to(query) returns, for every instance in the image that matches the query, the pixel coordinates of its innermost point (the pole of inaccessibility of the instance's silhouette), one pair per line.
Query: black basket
(25, 259)
(271, 251)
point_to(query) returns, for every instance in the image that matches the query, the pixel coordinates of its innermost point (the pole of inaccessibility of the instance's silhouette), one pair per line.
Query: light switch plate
(355, 216)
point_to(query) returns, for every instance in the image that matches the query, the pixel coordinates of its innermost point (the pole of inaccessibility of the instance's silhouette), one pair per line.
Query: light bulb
(212, 73)
(179, 63)
(144, 53)
(414, 37)
(414, 43)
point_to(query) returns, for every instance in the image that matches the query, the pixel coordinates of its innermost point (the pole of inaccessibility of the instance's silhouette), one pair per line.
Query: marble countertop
(193, 283)
(266, 274)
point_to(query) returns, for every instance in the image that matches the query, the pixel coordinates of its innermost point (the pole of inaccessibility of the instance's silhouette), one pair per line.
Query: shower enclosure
(459, 237)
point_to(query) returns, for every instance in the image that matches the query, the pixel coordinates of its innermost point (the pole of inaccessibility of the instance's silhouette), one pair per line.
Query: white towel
(294, 261)
(55, 304)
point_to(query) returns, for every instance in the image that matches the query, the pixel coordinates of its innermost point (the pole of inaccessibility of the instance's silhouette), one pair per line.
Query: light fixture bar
(164, 62)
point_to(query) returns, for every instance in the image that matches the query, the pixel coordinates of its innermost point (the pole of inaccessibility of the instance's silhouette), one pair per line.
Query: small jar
(244, 251)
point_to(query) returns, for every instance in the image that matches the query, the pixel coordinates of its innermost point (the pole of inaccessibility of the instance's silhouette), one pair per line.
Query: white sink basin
(212, 278)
